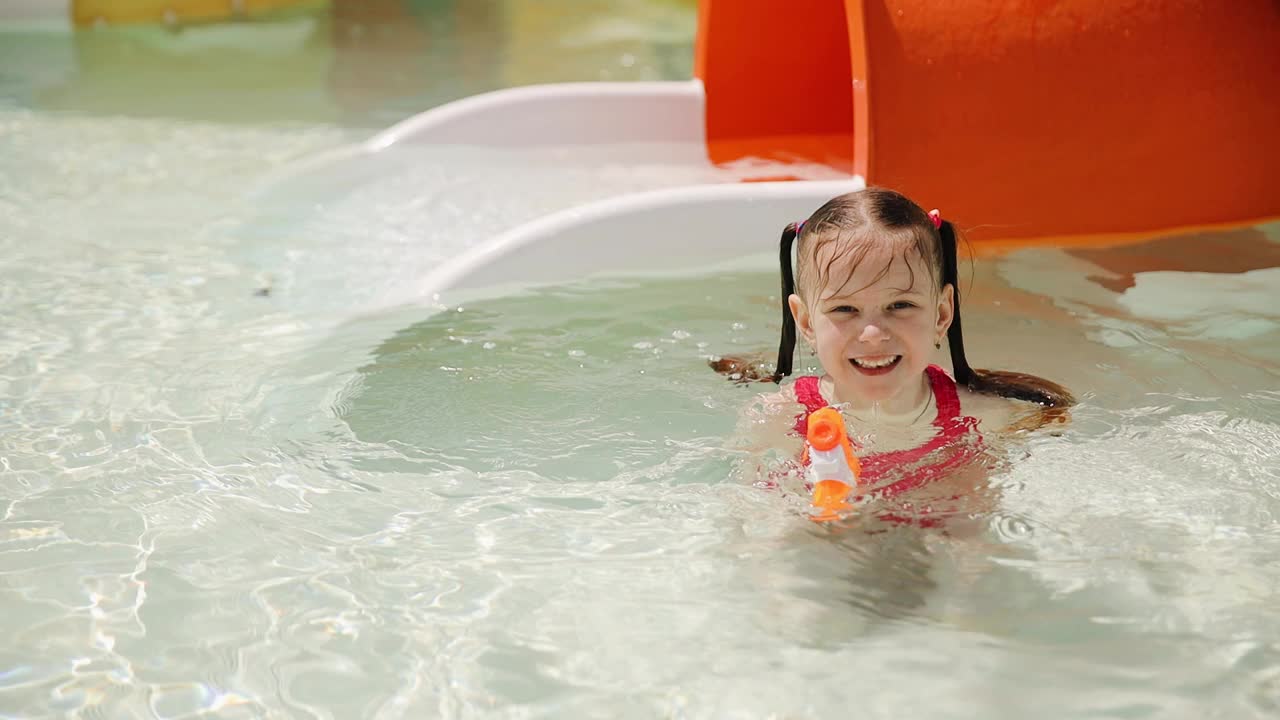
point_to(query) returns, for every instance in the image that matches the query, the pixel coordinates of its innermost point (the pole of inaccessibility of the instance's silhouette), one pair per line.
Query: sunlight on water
(219, 501)
(246, 471)
(1129, 551)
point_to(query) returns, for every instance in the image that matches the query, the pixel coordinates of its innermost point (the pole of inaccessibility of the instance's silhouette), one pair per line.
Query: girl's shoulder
(777, 408)
(784, 396)
(767, 421)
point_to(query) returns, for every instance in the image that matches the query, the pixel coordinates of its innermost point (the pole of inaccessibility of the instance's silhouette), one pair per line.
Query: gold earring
(937, 345)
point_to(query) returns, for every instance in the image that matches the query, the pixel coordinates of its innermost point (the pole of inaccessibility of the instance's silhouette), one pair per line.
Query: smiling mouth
(875, 365)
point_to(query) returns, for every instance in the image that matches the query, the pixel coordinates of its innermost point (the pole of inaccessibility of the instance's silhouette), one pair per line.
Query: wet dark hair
(884, 211)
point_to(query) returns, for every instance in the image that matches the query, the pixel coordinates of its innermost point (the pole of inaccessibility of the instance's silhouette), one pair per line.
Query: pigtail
(1019, 386)
(787, 346)
(955, 335)
(754, 367)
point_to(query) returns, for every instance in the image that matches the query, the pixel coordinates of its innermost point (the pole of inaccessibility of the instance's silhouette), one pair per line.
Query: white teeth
(876, 363)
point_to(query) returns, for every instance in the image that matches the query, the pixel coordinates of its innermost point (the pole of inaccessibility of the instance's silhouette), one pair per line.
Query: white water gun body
(832, 467)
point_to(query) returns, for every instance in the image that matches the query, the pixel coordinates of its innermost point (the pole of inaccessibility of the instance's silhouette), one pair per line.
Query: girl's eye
(902, 305)
(843, 309)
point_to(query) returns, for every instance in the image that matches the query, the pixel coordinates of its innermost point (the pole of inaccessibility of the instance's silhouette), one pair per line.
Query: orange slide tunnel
(1020, 119)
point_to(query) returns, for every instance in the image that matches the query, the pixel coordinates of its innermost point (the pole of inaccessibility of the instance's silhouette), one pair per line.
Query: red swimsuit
(950, 445)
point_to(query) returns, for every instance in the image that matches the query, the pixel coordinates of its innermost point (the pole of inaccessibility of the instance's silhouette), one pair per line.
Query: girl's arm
(767, 421)
(764, 433)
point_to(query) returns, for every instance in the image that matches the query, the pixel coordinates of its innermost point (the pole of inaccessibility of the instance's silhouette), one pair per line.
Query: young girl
(875, 296)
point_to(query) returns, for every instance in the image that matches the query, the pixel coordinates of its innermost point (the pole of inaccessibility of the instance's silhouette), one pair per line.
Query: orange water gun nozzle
(833, 468)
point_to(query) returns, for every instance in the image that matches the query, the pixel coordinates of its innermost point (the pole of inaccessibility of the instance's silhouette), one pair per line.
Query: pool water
(575, 449)
(246, 470)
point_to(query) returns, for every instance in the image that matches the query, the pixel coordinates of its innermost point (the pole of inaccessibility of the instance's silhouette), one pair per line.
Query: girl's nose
(872, 333)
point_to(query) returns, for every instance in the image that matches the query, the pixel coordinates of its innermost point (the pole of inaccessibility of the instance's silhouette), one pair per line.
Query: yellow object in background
(120, 12)
(272, 70)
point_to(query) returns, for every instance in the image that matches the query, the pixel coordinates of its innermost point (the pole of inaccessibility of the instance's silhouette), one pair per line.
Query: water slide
(1064, 121)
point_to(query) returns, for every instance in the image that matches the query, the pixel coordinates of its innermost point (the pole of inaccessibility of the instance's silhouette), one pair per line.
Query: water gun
(832, 467)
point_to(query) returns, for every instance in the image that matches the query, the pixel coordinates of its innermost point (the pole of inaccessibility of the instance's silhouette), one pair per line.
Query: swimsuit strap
(945, 395)
(952, 428)
(807, 394)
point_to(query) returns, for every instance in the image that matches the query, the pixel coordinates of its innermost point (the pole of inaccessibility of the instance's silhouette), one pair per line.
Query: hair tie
(936, 217)
(799, 227)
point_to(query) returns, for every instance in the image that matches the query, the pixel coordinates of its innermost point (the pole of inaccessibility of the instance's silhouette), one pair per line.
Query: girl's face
(874, 323)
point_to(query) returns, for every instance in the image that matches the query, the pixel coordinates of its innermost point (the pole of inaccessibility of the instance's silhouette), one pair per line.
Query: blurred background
(354, 63)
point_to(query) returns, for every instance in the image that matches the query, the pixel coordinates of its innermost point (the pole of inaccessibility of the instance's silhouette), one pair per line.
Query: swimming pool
(246, 471)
